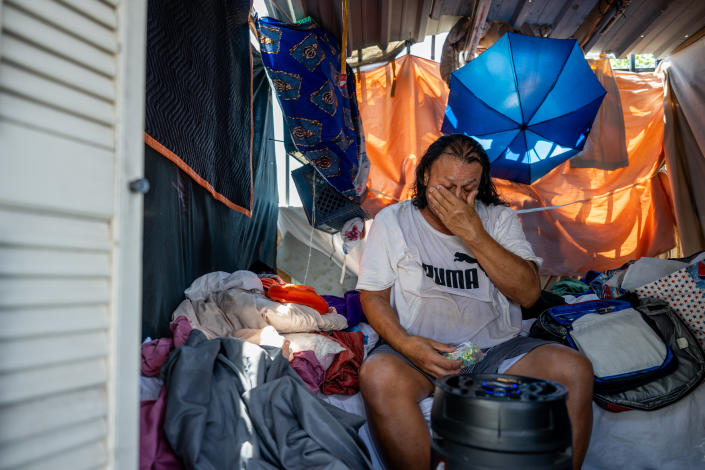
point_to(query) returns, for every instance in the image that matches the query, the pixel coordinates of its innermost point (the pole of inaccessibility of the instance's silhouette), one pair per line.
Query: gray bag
(670, 387)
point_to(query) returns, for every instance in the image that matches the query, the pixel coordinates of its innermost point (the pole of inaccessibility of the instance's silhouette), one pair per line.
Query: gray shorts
(511, 350)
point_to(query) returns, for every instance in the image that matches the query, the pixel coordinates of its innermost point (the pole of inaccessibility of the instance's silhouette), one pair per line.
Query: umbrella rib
(548, 92)
(531, 128)
(528, 150)
(488, 105)
(516, 81)
(498, 132)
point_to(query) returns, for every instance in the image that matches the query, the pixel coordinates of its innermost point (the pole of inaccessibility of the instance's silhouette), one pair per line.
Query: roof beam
(452, 8)
(592, 21)
(627, 39)
(674, 36)
(520, 15)
(563, 16)
(694, 38)
(478, 27)
(425, 14)
(385, 21)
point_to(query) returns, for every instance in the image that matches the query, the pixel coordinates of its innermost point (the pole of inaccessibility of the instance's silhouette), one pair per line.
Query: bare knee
(583, 370)
(561, 364)
(376, 377)
(386, 379)
(576, 373)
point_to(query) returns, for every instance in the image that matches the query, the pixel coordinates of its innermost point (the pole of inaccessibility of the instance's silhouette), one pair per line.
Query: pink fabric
(155, 451)
(309, 369)
(180, 330)
(155, 352)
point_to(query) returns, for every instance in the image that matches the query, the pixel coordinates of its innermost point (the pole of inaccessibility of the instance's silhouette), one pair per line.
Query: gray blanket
(236, 405)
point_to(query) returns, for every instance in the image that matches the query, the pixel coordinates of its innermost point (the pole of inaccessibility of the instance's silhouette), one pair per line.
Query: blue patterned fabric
(606, 284)
(697, 272)
(303, 63)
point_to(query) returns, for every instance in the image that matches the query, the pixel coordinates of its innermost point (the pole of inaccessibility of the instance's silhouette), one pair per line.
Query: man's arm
(516, 278)
(424, 352)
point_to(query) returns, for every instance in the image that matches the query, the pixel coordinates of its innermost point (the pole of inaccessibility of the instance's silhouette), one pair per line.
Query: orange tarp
(399, 128)
(606, 218)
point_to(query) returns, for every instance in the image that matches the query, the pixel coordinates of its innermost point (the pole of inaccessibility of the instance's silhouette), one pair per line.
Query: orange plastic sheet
(577, 218)
(606, 146)
(402, 106)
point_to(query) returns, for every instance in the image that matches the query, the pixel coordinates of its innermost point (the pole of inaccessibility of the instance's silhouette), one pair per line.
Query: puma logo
(455, 278)
(464, 257)
(459, 256)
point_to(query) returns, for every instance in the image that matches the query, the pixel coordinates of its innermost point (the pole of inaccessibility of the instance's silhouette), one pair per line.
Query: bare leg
(392, 389)
(572, 369)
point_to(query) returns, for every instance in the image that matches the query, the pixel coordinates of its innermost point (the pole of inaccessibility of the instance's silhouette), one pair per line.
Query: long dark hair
(466, 149)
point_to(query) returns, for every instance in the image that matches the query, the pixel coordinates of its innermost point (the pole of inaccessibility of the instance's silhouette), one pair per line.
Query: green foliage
(645, 61)
(618, 64)
(642, 61)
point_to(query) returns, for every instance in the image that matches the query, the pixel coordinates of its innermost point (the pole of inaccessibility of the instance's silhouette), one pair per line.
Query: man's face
(457, 176)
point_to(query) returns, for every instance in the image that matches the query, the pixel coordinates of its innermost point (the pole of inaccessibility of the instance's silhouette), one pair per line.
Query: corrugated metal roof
(619, 27)
(650, 26)
(371, 22)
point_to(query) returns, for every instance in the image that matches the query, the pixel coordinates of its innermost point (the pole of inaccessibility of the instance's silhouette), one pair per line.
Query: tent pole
(287, 171)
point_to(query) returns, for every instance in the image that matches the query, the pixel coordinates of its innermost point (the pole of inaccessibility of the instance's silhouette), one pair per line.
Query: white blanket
(672, 438)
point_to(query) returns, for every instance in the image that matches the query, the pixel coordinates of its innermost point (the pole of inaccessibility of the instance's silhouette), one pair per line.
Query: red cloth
(294, 293)
(342, 375)
(268, 282)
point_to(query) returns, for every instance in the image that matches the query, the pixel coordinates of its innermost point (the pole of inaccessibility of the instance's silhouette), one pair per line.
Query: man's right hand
(428, 355)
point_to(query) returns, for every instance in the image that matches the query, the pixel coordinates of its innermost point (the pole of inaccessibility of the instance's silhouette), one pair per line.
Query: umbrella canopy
(529, 101)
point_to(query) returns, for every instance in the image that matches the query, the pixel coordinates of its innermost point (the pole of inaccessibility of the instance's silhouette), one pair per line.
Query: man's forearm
(515, 277)
(382, 318)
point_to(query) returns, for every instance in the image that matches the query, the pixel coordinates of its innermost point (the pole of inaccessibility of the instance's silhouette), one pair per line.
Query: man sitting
(452, 265)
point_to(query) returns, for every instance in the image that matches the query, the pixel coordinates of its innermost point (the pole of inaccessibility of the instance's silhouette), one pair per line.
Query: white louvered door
(71, 123)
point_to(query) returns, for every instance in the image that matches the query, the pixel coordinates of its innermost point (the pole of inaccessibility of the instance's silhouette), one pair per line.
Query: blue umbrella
(529, 101)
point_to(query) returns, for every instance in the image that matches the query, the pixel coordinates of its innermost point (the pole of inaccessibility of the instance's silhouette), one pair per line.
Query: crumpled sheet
(235, 405)
(684, 140)
(220, 304)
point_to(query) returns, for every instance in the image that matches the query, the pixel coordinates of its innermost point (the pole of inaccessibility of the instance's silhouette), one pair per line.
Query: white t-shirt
(438, 289)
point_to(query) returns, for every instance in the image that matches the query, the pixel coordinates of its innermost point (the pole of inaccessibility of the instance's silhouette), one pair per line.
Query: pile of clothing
(247, 351)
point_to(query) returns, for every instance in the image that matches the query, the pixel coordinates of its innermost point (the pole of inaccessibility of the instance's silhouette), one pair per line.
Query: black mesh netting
(198, 91)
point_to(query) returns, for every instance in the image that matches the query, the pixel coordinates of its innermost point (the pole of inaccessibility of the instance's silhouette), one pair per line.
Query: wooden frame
(126, 317)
